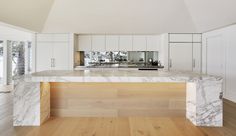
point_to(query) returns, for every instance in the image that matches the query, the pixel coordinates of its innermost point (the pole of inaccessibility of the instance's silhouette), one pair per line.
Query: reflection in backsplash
(114, 58)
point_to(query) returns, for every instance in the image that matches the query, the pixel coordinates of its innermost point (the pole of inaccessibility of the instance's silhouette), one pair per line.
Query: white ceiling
(118, 16)
(29, 14)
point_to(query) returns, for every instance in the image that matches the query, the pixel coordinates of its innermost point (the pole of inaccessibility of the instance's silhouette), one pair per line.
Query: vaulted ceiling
(118, 16)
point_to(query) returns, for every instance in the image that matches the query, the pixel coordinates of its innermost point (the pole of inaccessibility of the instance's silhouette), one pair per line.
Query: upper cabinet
(126, 43)
(180, 38)
(119, 43)
(85, 43)
(139, 43)
(112, 42)
(197, 38)
(98, 43)
(153, 43)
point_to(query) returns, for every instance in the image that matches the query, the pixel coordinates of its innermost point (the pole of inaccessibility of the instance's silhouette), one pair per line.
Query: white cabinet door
(153, 43)
(197, 38)
(126, 43)
(112, 43)
(181, 56)
(61, 56)
(60, 37)
(44, 37)
(181, 38)
(44, 54)
(197, 57)
(98, 43)
(139, 43)
(85, 43)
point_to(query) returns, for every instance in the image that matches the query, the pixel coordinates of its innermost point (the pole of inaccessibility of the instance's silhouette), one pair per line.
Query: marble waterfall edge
(204, 104)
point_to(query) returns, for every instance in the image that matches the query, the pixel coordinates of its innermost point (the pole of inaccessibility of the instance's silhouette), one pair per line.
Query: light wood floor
(111, 126)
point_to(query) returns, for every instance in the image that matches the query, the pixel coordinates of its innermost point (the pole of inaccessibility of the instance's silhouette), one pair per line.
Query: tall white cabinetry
(54, 52)
(219, 57)
(185, 52)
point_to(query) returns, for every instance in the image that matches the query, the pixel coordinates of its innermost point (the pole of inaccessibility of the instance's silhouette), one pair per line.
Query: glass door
(1, 62)
(17, 59)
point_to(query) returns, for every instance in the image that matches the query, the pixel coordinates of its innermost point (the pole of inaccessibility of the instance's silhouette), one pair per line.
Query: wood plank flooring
(115, 126)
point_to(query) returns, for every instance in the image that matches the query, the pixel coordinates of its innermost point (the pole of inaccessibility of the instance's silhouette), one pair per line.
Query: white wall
(226, 38)
(8, 32)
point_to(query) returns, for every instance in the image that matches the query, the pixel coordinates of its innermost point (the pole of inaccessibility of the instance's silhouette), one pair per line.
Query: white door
(85, 43)
(44, 55)
(181, 56)
(231, 65)
(112, 43)
(153, 43)
(98, 43)
(215, 56)
(126, 43)
(139, 43)
(61, 56)
(197, 57)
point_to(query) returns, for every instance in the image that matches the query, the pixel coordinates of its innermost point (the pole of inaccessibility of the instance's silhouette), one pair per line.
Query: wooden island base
(117, 99)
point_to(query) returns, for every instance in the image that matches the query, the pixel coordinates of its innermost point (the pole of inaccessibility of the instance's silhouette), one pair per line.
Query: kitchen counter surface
(117, 76)
(204, 105)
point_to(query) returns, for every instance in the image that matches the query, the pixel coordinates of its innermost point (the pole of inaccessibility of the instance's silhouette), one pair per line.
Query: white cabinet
(197, 38)
(44, 37)
(54, 54)
(98, 43)
(180, 37)
(139, 43)
(44, 51)
(85, 43)
(126, 43)
(180, 57)
(153, 43)
(61, 56)
(197, 57)
(112, 43)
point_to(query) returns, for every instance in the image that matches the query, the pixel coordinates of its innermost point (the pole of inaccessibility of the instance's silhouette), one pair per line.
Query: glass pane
(18, 58)
(1, 62)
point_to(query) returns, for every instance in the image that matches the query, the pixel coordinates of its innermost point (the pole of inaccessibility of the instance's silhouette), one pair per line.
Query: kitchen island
(32, 92)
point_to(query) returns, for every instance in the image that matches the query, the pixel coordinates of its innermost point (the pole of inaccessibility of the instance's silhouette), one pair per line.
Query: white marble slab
(203, 99)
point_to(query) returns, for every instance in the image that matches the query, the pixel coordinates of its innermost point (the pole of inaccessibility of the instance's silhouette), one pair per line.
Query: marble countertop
(116, 76)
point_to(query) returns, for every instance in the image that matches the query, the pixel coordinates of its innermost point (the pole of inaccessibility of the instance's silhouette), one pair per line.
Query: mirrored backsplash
(118, 58)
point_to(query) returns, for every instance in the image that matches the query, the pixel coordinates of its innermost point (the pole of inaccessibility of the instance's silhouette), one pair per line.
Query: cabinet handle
(51, 62)
(54, 62)
(194, 63)
(170, 63)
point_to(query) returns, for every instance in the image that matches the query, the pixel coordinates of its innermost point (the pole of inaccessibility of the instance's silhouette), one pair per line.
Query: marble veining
(203, 94)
